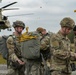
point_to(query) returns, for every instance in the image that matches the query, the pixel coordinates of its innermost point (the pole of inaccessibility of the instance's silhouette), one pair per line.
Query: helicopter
(4, 22)
(0, 0)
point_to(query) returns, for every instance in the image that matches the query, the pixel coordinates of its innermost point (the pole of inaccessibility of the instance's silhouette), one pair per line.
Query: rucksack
(3, 47)
(31, 47)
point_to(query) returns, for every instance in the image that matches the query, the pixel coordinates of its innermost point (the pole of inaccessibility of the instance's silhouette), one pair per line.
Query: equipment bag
(3, 47)
(31, 47)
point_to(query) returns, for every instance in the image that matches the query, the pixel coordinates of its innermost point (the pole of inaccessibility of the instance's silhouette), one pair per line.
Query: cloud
(46, 13)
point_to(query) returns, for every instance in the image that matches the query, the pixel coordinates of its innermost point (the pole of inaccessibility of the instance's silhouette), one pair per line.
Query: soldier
(45, 50)
(16, 66)
(74, 30)
(44, 40)
(74, 64)
(60, 44)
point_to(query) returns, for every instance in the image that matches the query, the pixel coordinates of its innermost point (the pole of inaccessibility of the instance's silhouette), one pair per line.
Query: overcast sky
(43, 13)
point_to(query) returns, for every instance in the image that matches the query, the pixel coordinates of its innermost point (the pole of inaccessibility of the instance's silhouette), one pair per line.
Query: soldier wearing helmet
(41, 31)
(14, 49)
(18, 23)
(44, 48)
(60, 45)
(67, 22)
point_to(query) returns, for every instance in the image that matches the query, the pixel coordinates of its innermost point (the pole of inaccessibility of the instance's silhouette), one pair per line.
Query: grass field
(2, 61)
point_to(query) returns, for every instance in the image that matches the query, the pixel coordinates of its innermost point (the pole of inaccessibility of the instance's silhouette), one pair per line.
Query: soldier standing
(74, 30)
(45, 50)
(15, 64)
(60, 45)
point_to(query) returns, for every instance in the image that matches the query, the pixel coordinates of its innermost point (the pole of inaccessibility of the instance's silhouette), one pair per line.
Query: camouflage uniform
(33, 67)
(61, 56)
(45, 48)
(14, 53)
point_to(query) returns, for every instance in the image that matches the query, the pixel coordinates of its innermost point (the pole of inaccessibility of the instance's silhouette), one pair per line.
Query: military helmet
(67, 22)
(40, 29)
(18, 23)
(74, 29)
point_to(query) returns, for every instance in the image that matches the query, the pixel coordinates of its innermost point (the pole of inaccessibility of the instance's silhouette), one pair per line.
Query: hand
(73, 54)
(21, 62)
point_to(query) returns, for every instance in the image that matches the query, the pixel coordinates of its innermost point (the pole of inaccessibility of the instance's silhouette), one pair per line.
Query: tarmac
(3, 70)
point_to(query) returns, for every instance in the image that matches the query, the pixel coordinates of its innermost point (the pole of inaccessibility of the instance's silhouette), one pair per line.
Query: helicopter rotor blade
(8, 5)
(20, 15)
(11, 9)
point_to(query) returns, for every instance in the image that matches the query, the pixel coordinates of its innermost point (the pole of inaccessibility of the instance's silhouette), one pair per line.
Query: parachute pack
(30, 45)
(3, 47)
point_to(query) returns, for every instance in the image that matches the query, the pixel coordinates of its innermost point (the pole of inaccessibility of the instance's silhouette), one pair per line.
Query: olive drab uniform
(14, 52)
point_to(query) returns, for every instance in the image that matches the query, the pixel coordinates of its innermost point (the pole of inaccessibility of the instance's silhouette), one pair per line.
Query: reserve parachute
(3, 47)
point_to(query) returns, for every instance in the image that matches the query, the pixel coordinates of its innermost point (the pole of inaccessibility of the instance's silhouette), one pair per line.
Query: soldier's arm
(45, 43)
(73, 56)
(10, 46)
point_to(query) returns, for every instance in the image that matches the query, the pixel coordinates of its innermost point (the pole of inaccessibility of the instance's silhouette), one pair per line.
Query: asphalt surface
(3, 70)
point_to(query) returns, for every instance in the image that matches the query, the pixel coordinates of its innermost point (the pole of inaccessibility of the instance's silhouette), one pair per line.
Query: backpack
(31, 47)
(3, 47)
